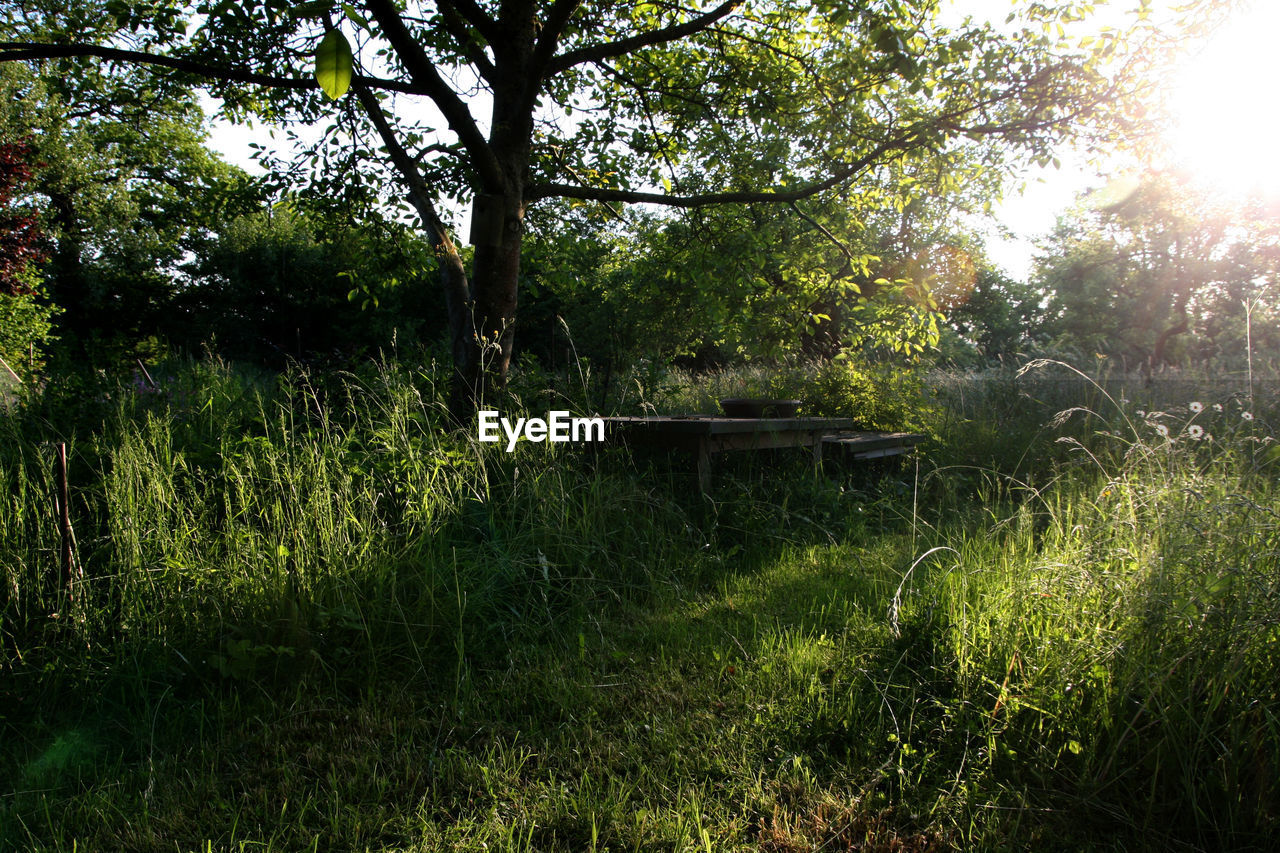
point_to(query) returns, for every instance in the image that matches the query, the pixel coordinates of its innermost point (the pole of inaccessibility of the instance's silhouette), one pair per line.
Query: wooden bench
(705, 436)
(872, 445)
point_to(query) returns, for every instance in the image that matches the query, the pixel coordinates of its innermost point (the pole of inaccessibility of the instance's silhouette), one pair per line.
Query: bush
(25, 329)
(289, 283)
(883, 397)
(878, 397)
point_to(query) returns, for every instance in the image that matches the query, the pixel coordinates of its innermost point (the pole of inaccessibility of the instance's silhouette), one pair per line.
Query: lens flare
(1225, 124)
(946, 273)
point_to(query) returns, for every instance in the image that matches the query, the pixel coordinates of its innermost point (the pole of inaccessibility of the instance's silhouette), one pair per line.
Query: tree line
(665, 181)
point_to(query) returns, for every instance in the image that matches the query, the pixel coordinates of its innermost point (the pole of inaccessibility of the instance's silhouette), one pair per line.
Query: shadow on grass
(654, 718)
(730, 678)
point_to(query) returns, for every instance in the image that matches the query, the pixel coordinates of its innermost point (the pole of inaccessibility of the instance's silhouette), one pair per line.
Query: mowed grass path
(731, 718)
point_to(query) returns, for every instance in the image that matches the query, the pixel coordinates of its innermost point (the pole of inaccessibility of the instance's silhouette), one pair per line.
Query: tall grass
(1109, 642)
(269, 525)
(1001, 419)
(320, 615)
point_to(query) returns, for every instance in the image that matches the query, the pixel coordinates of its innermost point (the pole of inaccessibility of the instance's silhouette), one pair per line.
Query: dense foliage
(276, 599)
(23, 243)
(1157, 271)
(25, 314)
(127, 191)
(289, 282)
(604, 102)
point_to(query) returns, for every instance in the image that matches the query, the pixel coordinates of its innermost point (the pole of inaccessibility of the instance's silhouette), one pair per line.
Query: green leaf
(355, 17)
(333, 65)
(318, 9)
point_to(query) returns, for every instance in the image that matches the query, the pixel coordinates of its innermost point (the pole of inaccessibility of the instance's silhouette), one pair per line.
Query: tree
(601, 101)
(844, 269)
(23, 244)
(24, 313)
(997, 318)
(1145, 262)
(127, 191)
(288, 281)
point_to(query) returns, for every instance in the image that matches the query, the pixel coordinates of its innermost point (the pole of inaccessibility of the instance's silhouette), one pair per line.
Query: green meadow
(272, 272)
(305, 614)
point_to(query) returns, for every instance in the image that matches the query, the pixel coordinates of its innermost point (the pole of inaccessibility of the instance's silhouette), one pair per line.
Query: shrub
(25, 329)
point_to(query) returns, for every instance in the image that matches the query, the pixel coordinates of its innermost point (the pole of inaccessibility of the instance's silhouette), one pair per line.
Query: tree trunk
(498, 230)
(1157, 352)
(481, 308)
(69, 289)
(1181, 298)
(482, 311)
(484, 334)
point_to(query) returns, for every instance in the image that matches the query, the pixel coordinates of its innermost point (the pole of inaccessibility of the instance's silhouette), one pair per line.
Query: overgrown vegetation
(310, 617)
(280, 597)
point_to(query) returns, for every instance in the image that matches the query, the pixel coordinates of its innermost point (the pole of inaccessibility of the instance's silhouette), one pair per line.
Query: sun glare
(1226, 123)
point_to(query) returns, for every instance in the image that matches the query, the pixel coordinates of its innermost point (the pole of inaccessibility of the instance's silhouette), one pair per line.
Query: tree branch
(556, 154)
(837, 177)
(552, 28)
(476, 17)
(849, 259)
(458, 296)
(423, 72)
(439, 149)
(15, 51)
(634, 43)
(419, 193)
(456, 25)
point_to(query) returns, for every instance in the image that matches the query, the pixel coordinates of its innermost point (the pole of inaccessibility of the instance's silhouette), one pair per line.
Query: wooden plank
(881, 452)
(866, 441)
(805, 426)
(721, 442)
(708, 425)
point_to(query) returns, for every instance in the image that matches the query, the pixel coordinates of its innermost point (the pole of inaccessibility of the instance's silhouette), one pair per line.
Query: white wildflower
(1163, 430)
(1195, 432)
(1196, 408)
(1248, 416)
(1142, 413)
(1217, 407)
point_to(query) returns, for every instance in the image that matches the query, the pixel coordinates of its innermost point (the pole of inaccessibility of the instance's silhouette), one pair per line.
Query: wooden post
(67, 562)
(704, 463)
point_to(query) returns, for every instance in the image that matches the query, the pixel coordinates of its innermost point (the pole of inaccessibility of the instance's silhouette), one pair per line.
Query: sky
(1223, 133)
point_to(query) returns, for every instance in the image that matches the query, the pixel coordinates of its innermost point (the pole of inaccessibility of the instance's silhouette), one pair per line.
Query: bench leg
(704, 466)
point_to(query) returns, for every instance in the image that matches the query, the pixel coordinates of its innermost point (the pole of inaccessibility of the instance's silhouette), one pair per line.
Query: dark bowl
(756, 407)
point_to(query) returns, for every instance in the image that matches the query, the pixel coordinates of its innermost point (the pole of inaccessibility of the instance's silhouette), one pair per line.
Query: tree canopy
(1151, 261)
(126, 190)
(680, 105)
